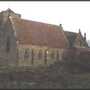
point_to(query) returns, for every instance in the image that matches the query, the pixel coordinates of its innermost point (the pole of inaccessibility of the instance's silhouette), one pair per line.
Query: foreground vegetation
(62, 74)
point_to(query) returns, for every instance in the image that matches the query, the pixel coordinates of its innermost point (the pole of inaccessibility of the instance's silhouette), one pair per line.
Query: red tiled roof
(37, 33)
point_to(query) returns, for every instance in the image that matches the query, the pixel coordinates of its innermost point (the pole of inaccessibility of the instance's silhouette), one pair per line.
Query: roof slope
(71, 36)
(37, 33)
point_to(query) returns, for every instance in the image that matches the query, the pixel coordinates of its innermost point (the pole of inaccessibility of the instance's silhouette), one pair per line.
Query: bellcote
(4, 16)
(60, 25)
(9, 12)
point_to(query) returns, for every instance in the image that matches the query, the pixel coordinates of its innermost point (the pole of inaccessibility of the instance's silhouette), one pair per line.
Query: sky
(73, 15)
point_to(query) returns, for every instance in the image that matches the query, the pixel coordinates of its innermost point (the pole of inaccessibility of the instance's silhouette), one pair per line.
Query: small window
(8, 44)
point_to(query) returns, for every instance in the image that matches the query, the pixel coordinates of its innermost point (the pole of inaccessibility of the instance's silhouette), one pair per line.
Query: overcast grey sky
(72, 15)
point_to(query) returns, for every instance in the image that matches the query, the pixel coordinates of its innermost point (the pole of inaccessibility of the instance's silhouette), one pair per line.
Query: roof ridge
(40, 22)
(71, 32)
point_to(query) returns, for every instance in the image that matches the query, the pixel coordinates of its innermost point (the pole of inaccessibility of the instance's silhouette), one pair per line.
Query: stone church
(31, 43)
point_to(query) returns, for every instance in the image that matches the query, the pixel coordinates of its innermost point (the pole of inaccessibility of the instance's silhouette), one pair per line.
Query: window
(40, 54)
(45, 56)
(52, 55)
(8, 44)
(32, 57)
(57, 55)
(26, 54)
(17, 53)
(80, 43)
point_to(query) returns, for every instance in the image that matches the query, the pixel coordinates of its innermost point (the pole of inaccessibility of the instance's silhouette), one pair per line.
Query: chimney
(85, 36)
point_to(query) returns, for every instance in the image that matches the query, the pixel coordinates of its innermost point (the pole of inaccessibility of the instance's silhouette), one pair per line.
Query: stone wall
(31, 55)
(8, 52)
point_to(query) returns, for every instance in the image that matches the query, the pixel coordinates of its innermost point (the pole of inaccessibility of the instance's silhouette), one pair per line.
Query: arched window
(32, 56)
(26, 54)
(8, 44)
(57, 55)
(52, 55)
(45, 56)
(17, 53)
(40, 54)
(80, 43)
